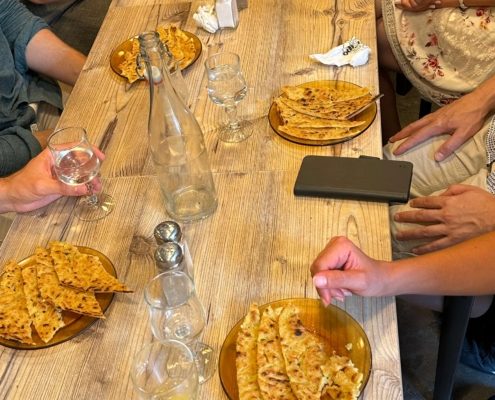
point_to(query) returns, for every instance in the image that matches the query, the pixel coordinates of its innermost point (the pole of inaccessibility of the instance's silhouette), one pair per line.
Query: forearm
(467, 3)
(5, 202)
(465, 269)
(49, 55)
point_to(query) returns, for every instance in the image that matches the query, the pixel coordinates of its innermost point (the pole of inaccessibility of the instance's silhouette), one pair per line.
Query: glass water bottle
(176, 142)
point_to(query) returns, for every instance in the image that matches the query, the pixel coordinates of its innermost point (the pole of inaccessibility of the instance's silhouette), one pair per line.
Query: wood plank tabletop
(257, 246)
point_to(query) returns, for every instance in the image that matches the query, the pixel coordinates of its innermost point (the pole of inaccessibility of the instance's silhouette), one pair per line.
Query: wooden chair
(455, 318)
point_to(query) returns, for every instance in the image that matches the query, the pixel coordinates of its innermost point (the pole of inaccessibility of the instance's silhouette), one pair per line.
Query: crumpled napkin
(206, 18)
(352, 52)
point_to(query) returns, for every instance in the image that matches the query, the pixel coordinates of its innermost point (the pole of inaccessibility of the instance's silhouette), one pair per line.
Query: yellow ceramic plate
(367, 115)
(117, 56)
(333, 324)
(74, 323)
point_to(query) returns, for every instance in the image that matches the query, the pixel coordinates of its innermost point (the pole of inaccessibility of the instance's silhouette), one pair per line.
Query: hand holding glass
(176, 313)
(227, 87)
(75, 163)
(165, 371)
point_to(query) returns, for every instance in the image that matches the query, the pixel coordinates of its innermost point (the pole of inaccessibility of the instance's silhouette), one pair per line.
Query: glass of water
(165, 370)
(75, 163)
(227, 87)
(176, 313)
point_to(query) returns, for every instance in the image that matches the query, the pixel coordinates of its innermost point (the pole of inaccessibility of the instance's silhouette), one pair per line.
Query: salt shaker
(170, 231)
(169, 257)
(227, 13)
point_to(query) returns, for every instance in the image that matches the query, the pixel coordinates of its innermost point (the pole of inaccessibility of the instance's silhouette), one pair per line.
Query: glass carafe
(176, 141)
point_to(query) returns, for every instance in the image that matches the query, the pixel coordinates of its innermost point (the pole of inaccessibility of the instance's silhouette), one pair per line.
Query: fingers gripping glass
(75, 163)
(176, 313)
(227, 87)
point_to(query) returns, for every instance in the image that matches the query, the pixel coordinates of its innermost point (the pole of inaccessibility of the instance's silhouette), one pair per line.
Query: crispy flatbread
(323, 94)
(246, 358)
(304, 353)
(318, 134)
(64, 297)
(272, 376)
(342, 379)
(293, 118)
(15, 322)
(82, 271)
(339, 110)
(47, 320)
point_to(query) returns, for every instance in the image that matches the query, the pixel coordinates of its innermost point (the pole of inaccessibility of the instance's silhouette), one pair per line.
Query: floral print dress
(445, 53)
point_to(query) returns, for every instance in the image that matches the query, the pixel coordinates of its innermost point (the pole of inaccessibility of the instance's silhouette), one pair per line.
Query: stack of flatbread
(61, 278)
(320, 113)
(180, 45)
(279, 359)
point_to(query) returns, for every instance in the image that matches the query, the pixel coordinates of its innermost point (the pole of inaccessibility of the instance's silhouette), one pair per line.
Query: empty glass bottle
(176, 142)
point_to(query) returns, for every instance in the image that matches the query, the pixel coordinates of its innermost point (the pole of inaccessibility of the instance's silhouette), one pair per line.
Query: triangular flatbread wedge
(15, 322)
(246, 359)
(304, 353)
(272, 376)
(323, 94)
(47, 320)
(318, 134)
(82, 271)
(64, 297)
(293, 118)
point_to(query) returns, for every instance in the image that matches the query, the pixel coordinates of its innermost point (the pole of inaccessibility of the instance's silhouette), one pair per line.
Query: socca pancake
(246, 356)
(323, 94)
(272, 376)
(304, 353)
(342, 379)
(318, 134)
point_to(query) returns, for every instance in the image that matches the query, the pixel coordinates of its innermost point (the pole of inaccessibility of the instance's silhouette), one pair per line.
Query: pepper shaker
(170, 231)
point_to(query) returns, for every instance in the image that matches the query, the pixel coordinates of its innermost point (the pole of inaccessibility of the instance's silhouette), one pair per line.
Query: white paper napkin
(206, 18)
(352, 52)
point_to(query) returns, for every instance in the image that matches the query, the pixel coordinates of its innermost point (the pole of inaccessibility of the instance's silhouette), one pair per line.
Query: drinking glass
(176, 313)
(227, 87)
(165, 370)
(75, 163)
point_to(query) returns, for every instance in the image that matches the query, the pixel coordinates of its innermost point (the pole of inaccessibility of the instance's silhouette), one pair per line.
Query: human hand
(35, 185)
(417, 5)
(460, 213)
(341, 269)
(461, 119)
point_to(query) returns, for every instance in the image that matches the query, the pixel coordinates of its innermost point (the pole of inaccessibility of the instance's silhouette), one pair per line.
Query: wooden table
(259, 243)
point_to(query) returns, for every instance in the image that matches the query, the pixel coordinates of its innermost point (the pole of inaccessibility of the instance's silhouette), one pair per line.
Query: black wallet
(364, 178)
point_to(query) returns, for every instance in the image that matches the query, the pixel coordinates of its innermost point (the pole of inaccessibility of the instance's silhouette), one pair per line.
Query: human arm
(35, 186)
(467, 268)
(460, 213)
(460, 119)
(47, 54)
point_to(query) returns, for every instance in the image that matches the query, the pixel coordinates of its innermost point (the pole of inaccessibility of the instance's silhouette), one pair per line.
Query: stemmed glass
(227, 87)
(176, 313)
(75, 163)
(165, 370)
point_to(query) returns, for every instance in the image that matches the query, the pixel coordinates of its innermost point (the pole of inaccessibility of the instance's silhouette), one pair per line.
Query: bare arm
(49, 55)
(464, 269)
(422, 5)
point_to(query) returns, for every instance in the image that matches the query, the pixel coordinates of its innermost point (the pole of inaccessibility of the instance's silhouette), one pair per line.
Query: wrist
(5, 201)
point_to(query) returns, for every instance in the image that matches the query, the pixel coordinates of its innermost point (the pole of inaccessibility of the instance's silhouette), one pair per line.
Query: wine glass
(176, 313)
(75, 163)
(165, 370)
(227, 87)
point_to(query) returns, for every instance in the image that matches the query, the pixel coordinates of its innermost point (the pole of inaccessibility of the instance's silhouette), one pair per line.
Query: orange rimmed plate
(333, 324)
(368, 116)
(118, 54)
(74, 323)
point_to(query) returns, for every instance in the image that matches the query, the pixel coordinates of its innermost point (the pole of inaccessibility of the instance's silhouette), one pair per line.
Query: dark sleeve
(19, 25)
(17, 147)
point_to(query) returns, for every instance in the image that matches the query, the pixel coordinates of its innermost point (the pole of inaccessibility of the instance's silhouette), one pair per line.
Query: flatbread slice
(82, 271)
(63, 297)
(15, 322)
(246, 358)
(304, 353)
(308, 94)
(293, 118)
(47, 320)
(318, 134)
(342, 379)
(272, 376)
(329, 110)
